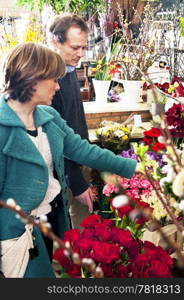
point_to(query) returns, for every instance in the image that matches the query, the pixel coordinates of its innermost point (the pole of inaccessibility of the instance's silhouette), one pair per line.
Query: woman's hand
(87, 198)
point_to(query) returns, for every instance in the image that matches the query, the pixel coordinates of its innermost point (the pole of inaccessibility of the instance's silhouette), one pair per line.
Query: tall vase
(101, 88)
(157, 109)
(132, 90)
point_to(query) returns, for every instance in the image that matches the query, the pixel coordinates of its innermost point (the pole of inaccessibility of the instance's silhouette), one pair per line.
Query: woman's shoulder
(52, 112)
(49, 109)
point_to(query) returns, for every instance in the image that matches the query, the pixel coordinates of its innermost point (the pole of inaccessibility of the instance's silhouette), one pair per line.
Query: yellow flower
(125, 137)
(176, 84)
(99, 62)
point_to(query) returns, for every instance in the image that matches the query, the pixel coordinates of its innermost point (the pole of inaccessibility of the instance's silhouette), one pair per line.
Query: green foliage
(75, 6)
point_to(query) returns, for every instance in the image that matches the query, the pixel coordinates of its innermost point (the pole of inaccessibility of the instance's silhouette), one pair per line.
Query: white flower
(119, 201)
(178, 184)
(181, 205)
(119, 133)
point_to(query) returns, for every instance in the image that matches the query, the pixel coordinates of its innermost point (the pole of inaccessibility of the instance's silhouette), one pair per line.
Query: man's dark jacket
(67, 101)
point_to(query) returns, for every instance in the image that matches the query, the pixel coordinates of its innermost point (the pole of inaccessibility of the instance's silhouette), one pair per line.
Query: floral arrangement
(161, 92)
(174, 88)
(113, 136)
(107, 66)
(123, 256)
(105, 70)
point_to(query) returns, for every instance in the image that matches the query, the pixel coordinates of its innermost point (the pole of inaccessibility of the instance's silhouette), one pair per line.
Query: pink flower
(109, 189)
(135, 183)
(145, 184)
(125, 183)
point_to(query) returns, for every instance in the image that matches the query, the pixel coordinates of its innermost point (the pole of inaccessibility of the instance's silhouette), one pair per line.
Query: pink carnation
(109, 189)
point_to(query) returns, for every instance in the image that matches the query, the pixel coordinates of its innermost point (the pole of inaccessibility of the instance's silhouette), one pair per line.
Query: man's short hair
(62, 23)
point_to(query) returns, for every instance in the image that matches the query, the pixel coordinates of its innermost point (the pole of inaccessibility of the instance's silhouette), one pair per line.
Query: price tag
(137, 121)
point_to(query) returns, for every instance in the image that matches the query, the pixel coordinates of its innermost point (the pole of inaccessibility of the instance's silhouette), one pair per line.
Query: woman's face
(45, 91)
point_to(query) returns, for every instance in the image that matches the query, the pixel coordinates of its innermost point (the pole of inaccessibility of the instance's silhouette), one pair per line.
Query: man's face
(74, 47)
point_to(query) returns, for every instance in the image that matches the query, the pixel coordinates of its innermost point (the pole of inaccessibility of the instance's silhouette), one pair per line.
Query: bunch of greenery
(75, 6)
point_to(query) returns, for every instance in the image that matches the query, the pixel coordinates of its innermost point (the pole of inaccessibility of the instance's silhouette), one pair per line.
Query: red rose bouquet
(113, 250)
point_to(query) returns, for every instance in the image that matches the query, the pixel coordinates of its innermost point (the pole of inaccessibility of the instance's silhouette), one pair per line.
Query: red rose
(90, 220)
(105, 252)
(88, 233)
(75, 272)
(153, 132)
(72, 235)
(147, 140)
(165, 258)
(102, 231)
(64, 261)
(121, 236)
(124, 210)
(108, 222)
(107, 270)
(158, 147)
(121, 271)
(134, 248)
(157, 270)
(85, 246)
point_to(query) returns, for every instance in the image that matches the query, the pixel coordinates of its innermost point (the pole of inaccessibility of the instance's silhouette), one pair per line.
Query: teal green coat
(24, 174)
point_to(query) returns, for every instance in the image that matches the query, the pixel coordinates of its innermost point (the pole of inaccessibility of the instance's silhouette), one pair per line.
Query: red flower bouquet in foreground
(114, 250)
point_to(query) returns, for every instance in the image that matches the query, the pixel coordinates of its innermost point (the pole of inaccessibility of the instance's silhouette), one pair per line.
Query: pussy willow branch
(47, 231)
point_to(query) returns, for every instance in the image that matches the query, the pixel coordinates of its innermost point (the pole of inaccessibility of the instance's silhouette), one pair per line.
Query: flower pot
(132, 90)
(101, 88)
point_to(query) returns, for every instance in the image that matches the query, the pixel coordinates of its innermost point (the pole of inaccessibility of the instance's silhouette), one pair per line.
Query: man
(68, 35)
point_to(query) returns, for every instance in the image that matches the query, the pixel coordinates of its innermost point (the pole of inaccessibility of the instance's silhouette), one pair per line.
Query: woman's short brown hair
(25, 65)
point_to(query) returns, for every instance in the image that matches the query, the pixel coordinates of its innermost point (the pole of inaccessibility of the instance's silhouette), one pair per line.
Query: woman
(34, 140)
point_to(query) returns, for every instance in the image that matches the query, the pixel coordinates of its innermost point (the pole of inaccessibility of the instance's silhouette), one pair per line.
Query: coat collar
(9, 118)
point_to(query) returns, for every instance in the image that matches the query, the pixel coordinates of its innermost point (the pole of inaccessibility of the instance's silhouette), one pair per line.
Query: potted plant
(102, 71)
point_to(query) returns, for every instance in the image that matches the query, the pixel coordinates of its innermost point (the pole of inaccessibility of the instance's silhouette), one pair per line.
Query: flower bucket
(132, 90)
(157, 108)
(101, 88)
